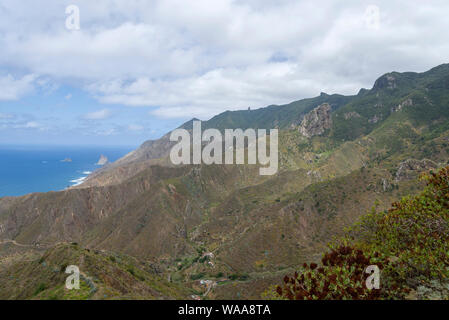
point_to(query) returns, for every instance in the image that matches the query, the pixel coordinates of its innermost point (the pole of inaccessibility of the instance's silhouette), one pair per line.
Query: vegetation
(42, 276)
(409, 243)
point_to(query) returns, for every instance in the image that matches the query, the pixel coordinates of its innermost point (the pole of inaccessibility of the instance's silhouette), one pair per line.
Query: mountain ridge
(290, 116)
(371, 151)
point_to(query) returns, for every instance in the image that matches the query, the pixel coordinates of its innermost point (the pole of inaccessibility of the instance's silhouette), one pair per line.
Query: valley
(144, 228)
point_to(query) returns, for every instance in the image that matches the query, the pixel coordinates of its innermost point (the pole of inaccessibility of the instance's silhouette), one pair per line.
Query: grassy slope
(104, 275)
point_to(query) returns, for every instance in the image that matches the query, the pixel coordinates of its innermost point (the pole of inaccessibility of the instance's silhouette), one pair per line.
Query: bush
(41, 287)
(197, 276)
(240, 277)
(415, 231)
(131, 270)
(233, 276)
(409, 243)
(341, 276)
(63, 267)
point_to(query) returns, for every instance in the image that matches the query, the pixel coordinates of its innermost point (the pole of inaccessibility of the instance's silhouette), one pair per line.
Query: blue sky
(137, 69)
(68, 115)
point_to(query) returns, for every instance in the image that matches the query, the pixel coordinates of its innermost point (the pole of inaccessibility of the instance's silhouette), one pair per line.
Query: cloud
(213, 92)
(32, 125)
(19, 121)
(6, 116)
(105, 132)
(14, 88)
(186, 59)
(135, 127)
(98, 115)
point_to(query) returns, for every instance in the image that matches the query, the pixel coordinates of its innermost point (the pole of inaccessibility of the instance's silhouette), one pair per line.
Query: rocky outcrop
(408, 102)
(387, 81)
(351, 115)
(317, 121)
(410, 168)
(375, 119)
(102, 161)
(385, 185)
(433, 290)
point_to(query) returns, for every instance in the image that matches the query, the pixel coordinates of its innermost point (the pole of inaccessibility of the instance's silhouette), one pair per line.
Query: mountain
(359, 115)
(157, 151)
(338, 156)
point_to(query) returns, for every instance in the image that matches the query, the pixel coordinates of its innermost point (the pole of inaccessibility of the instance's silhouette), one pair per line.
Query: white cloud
(135, 127)
(98, 115)
(6, 116)
(28, 125)
(13, 88)
(32, 125)
(105, 132)
(210, 93)
(19, 121)
(197, 58)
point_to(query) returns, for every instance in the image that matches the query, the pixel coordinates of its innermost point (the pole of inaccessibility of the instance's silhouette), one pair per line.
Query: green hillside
(225, 223)
(408, 243)
(103, 275)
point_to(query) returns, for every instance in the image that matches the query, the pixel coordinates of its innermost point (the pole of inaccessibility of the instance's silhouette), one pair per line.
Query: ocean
(28, 169)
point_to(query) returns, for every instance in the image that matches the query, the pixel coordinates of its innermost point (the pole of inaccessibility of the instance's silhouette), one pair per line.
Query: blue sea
(27, 169)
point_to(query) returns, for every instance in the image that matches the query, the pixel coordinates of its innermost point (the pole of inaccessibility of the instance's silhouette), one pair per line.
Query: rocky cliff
(317, 121)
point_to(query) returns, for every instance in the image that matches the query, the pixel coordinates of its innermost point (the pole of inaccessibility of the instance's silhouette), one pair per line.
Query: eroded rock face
(375, 119)
(433, 290)
(409, 169)
(351, 115)
(408, 102)
(316, 121)
(387, 81)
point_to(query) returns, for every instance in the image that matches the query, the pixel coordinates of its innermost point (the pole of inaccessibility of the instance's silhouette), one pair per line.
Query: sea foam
(77, 182)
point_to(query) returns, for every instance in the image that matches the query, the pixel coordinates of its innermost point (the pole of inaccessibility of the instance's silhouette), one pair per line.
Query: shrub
(409, 243)
(415, 231)
(63, 267)
(240, 277)
(341, 276)
(131, 270)
(197, 276)
(233, 276)
(41, 287)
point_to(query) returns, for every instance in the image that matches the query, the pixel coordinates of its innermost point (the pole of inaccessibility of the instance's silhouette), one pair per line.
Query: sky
(136, 69)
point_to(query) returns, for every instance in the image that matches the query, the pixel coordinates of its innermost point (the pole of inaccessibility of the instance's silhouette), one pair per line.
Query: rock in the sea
(316, 121)
(102, 161)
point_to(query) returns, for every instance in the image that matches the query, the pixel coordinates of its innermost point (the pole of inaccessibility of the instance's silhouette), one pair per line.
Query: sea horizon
(26, 169)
